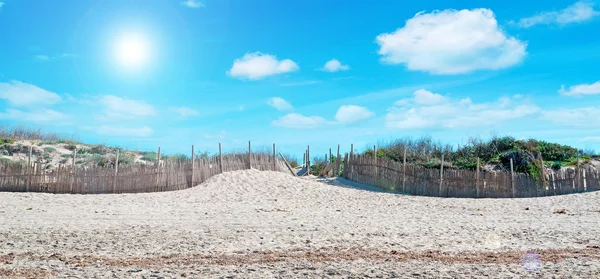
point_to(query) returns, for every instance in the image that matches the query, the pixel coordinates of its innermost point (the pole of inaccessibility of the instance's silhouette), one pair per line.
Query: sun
(132, 51)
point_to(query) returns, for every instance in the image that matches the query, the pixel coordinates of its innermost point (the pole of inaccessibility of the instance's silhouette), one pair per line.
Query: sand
(252, 224)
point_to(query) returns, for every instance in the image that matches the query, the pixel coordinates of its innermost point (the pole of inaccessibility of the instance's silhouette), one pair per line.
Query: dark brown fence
(422, 181)
(168, 175)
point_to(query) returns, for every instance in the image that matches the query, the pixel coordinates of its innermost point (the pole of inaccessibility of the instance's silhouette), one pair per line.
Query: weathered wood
(158, 170)
(442, 177)
(308, 160)
(220, 159)
(116, 173)
(74, 170)
(512, 179)
(274, 158)
(404, 171)
(477, 193)
(337, 161)
(249, 155)
(28, 169)
(193, 168)
(288, 165)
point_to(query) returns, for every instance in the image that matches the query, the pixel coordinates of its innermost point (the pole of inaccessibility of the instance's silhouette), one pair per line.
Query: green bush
(49, 149)
(6, 141)
(557, 165)
(148, 156)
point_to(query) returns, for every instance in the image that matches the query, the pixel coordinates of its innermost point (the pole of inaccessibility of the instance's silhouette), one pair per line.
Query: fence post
(304, 158)
(158, 170)
(249, 155)
(442, 175)
(346, 159)
(220, 159)
(116, 172)
(274, 158)
(584, 181)
(350, 168)
(404, 171)
(74, 171)
(337, 161)
(375, 160)
(308, 159)
(542, 176)
(192, 180)
(28, 185)
(512, 178)
(330, 157)
(477, 180)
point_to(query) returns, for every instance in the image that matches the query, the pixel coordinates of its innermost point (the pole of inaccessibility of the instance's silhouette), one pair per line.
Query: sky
(172, 73)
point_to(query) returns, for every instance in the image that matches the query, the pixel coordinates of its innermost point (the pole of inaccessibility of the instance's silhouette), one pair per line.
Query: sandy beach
(252, 224)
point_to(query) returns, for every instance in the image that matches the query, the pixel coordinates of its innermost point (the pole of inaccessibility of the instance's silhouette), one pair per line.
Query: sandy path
(271, 225)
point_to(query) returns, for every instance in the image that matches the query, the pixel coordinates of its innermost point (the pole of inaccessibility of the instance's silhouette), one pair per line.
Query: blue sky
(172, 73)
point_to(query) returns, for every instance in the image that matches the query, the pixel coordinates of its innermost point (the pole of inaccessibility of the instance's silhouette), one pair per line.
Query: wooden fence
(422, 181)
(166, 175)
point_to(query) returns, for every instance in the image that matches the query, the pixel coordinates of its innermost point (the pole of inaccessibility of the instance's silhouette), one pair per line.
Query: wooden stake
(350, 167)
(375, 160)
(220, 159)
(442, 175)
(249, 155)
(274, 159)
(193, 166)
(74, 171)
(288, 165)
(29, 170)
(404, 172)
(116, 173)
(338, 163)
(512, 178)
(308, 159)
(477, 180)
(330, 157)
(158, 170)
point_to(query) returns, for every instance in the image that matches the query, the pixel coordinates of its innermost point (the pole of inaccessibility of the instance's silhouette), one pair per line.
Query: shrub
(557, 165)
(148, 156)
(49, 149)
(6, 141)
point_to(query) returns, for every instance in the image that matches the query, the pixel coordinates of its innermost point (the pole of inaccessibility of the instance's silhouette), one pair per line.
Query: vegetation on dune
(526, 154)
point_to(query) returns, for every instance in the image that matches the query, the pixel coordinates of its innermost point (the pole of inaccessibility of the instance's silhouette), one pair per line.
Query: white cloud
(192, 4)
(446, 113)
(586, 117)
(1, 4)
(296, 120)
(578, 12)
(119, 108)
(37, 115)
(424, 97)
(351, 113)
(185, 111)
(279, 104)
(451, 42)
(23, 94)
(256, 66)
(581, 89)
(335, 65)
(142, 132)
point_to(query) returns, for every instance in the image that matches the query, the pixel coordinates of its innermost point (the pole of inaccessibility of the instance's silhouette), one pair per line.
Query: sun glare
(132, 51)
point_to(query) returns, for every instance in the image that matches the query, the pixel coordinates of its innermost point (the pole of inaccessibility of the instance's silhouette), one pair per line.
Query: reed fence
(418, 180)
(165, 175)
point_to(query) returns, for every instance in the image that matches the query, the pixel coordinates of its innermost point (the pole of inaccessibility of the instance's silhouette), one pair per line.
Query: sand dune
(252, 224)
